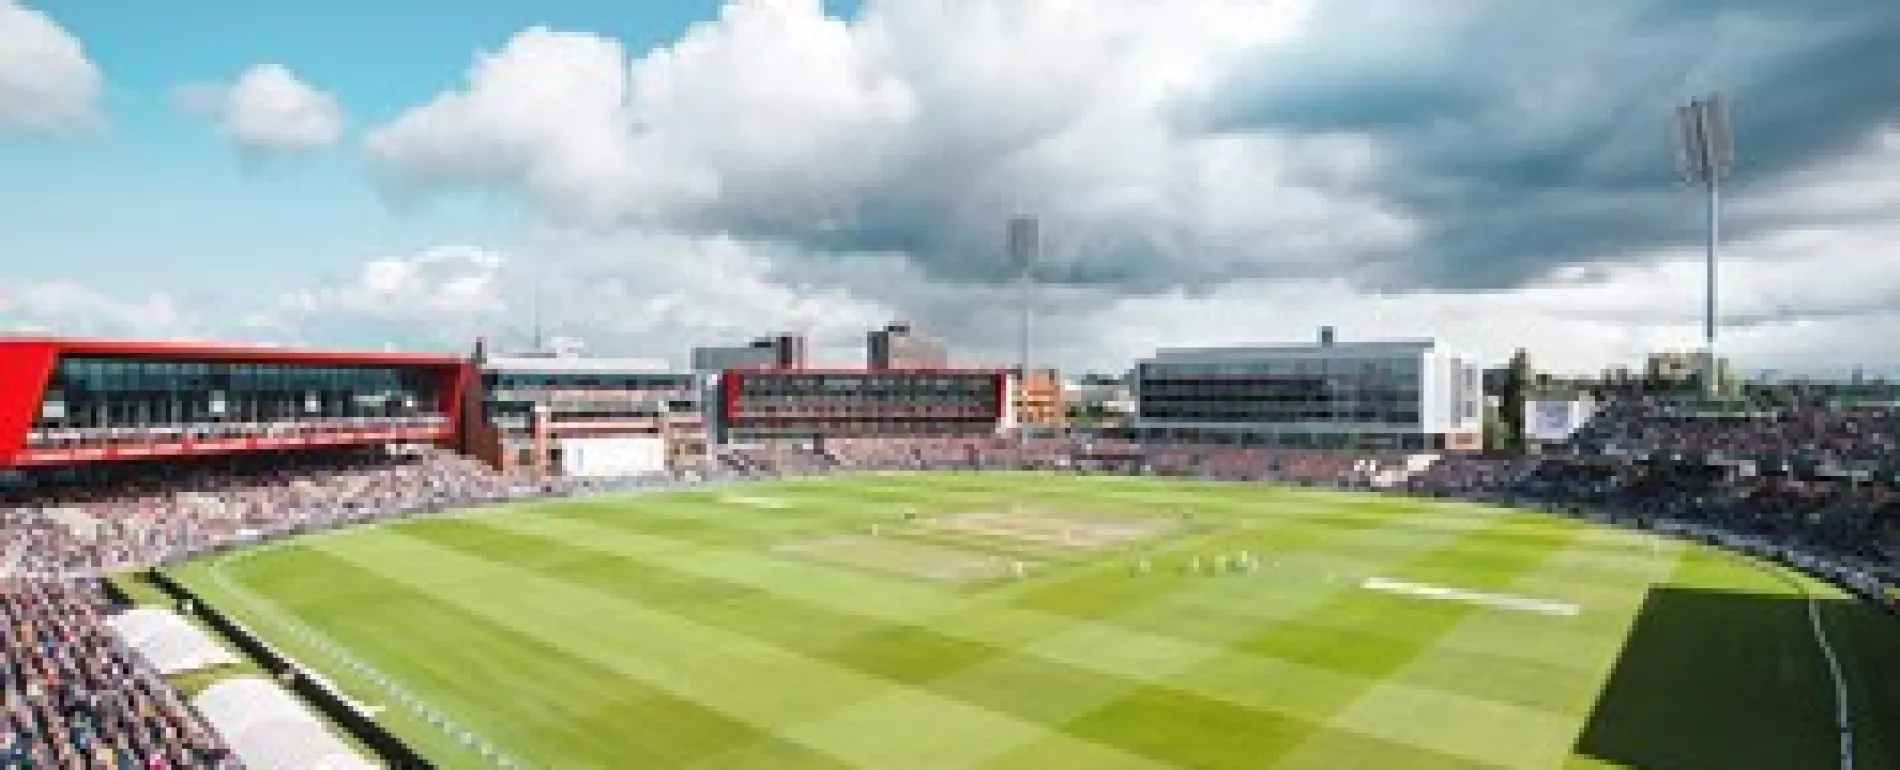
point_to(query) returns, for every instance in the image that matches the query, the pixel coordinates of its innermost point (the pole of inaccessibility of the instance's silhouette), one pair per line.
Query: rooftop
(1326, 342)
(575, 365)
(1307, 349)
(222, 352)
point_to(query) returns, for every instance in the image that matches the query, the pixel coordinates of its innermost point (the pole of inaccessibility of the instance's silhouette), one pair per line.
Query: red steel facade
(27, 366)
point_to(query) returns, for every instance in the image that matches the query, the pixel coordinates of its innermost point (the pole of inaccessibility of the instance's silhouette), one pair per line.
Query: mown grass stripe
(763, 685)
(982, 674)
(1472, 560)
(1372, 649)
(1473, 546)
(906, 653)
(988, 675)
(1099, 646)
(461, 662)
(1035, 651)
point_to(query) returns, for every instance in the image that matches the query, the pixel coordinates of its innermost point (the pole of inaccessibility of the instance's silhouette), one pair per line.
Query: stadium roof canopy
(269, 730)
(168, 642)
(215, 352)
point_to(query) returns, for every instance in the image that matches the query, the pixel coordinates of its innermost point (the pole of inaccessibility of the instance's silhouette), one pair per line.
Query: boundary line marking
(1843, 709)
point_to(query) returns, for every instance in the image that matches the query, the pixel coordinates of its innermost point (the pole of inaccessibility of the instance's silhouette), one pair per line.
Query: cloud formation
(438, 298)
(267, 111)
(1167, 146)
(642, 294)
(1214, 170)
(46, 82)
(914, 128)
(1527, 138)
(64, 308)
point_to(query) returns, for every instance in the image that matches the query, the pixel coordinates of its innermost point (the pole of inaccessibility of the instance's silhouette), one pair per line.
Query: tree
(1510, 409)
(1499, 436)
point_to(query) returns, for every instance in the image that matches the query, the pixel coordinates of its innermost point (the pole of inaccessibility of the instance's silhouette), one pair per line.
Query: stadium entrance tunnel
(1715, 680)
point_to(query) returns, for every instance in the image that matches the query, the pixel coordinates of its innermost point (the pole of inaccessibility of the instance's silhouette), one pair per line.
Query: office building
(898, 346)
(1412, 395)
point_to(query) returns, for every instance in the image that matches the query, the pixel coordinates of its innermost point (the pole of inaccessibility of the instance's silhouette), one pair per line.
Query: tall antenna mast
(1024, 237)
(1707, 155)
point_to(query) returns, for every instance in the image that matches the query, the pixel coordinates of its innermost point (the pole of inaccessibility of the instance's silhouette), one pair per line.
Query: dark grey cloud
(1519, 138)
(1526, 137)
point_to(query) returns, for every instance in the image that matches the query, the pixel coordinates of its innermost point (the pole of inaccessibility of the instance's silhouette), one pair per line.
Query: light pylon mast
(1707, 154)
(1024, 238)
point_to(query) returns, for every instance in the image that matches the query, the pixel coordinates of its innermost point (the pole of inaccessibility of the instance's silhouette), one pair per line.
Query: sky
(645, 177)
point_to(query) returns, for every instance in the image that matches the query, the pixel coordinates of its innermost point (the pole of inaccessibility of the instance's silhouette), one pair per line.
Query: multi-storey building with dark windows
(1404, 395)
(898, 346)
(67, 402)
(781, 404)
(570, 415)
(778, 351)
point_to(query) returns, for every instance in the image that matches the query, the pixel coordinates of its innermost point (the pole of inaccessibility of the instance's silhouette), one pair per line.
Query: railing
(100, 444)
(278, 428)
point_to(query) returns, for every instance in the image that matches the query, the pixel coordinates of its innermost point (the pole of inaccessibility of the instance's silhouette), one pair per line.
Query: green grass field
(764, 626)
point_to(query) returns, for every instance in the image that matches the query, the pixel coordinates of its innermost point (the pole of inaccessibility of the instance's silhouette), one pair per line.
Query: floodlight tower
(1024, 238)
(1707, 154)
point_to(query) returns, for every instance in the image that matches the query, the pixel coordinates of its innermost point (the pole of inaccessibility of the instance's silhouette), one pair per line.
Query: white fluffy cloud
(69, 309)
(437, 298)
(561, 116)
(268, 111)
(658, 294)
(915, 127)
(640, 294)
(46, 81)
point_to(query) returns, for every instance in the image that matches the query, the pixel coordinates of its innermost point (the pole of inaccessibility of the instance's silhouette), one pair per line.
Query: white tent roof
(269, 730)
(171, 644)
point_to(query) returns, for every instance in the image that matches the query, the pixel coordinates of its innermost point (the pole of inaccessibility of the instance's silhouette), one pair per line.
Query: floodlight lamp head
(1705, 150)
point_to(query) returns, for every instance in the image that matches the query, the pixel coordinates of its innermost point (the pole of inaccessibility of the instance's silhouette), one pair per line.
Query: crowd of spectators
(1471, 476)
(1802, 429)
(76, 697)
(1229, 463)
(1846, 529)
(986, 453)
(142, 518)
(1843, 526)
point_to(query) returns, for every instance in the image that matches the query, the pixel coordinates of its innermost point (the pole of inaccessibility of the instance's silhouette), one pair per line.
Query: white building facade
(1411, 395)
